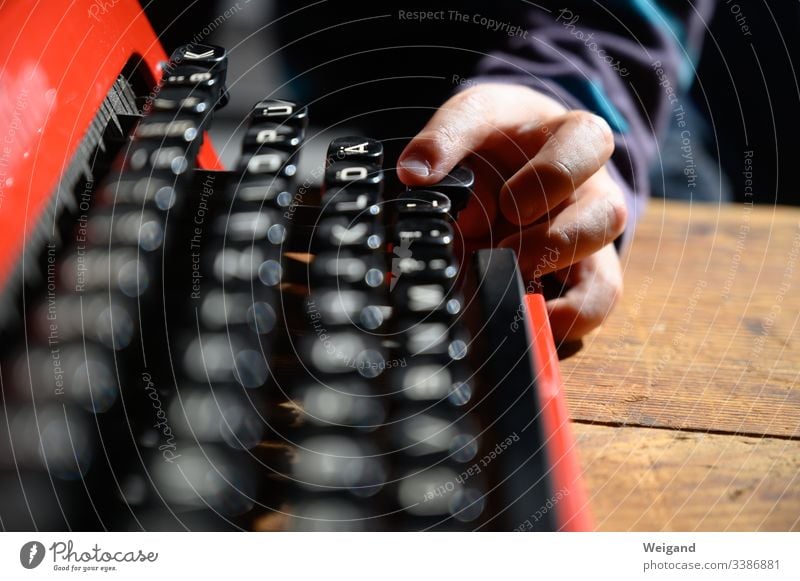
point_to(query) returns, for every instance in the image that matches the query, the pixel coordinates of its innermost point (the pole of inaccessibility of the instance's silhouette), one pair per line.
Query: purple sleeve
(626, 60)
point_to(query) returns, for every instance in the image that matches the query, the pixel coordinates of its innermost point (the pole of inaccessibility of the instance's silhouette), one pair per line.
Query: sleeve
(629, 61)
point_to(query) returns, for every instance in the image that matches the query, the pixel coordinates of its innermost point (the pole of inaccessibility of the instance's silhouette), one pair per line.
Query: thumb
(457, 129)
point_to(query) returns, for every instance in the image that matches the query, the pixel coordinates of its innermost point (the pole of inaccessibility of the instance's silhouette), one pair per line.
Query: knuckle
(475, 102)
(559, 174)
(564, 236)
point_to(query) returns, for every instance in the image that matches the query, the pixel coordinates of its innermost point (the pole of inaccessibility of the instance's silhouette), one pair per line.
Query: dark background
(345, 58)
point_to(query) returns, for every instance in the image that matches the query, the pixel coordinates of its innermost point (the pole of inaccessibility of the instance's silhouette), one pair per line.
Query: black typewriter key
(426, 338)
(145, 189)
(426, 299)
(263, 190)
(152, 156)
(229, 262)
(85, 376)
(251, 226)
(270, 161)
(328, 515)
(423, 381)
(340, 404)
(347, 173)
(203, 67)
(207, 56)
(457, 186)
(422, 203)
(428, 380)
(345, 351)
(224, 415)
(53, 437)
(326, 463)
(425, 263)
(190, 76)
(428, 231)
(253, 310)
(227, 358)
(346, 307)
(127, 225)
(281, 112)
(433, 338)
(108, 318)
(356, 149)
(275, 135)
(122, 269)
(179, 101)
(447, 436)
(440, 491)
(205, 476)
(351, 201)
(343, 232)
(164, 129)
(345, 267)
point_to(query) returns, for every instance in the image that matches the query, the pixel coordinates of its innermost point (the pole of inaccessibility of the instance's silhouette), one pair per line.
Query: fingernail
(419, 167)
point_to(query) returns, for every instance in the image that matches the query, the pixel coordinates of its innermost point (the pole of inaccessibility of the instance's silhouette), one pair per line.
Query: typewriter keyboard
(213, 350)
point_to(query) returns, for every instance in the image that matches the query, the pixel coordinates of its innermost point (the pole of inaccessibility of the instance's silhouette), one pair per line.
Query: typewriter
(189, 347)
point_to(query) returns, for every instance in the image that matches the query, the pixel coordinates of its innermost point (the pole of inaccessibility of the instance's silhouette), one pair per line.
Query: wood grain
(667, 480)
(706, 336)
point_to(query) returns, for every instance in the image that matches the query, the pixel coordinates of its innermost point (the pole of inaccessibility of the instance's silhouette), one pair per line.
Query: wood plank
(706, 336)
(665, 480)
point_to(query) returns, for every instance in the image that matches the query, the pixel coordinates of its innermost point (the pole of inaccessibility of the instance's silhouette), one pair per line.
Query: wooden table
(686, 404)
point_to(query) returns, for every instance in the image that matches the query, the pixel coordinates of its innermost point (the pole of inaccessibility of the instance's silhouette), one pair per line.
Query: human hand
(541, 188)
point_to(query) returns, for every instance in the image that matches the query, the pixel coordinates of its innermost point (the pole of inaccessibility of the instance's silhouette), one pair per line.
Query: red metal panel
(570, 500)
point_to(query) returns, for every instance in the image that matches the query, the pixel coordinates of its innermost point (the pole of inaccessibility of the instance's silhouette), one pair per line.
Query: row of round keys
(218, 412)
(222, 407)
(237, 316)
(435, 444)
(168, 137)
(423, 268)
(335, 462)
(430, 425)
(349, 231)
(351, 208)
(78, 377)
(166, 140)
(434, 441)
(218, 462)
